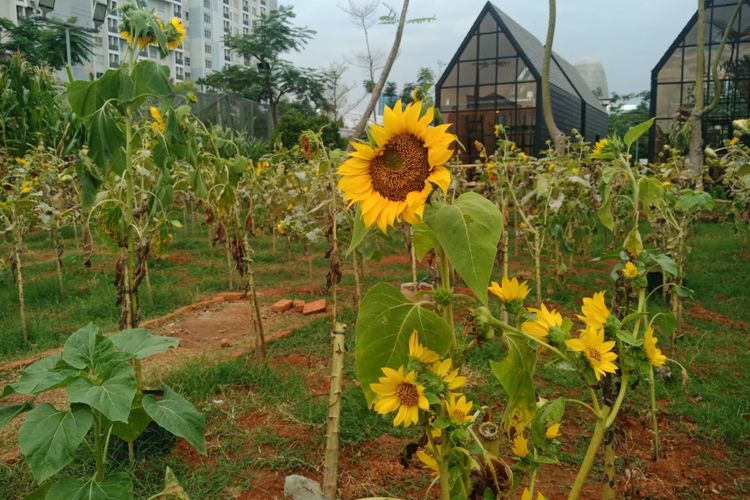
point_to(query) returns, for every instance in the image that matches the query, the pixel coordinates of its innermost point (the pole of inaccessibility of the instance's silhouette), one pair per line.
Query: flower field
(190, 314)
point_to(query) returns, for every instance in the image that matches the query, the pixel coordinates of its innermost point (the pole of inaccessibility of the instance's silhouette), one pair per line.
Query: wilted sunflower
(158, 125)
(552, 431)
(630, 270)
(392, 180)
(520, 446)
(429, 462)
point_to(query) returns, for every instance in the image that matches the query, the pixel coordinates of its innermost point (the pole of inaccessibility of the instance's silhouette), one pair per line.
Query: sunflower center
(458, 415)
(403, 167)
(594, 354)
(408, 394)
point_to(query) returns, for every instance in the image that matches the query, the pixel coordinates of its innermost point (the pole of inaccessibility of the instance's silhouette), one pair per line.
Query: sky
(628, 37)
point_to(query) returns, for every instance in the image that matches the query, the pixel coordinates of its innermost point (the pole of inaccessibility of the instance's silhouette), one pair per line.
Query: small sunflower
(392, 180)
(630, 270)
(451, 379)
(545, 320)
(459, 409)
(398, 391)
(599, 147)
(159, 125)
(598, 352)
(176, 38)
(520, 446)
(420, 352)
(510, 289)
(499, 130)
(595, 312)
(26, 188)
(429, 462)
(553, 431)
(653, 353)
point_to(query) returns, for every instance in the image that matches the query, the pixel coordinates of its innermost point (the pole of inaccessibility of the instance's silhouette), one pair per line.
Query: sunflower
(159, 125)
(510, 289)
(141, 41)
(26, 188)
(420, 352)
(595, 312)
(451, 379)
(599, 147)
(653, 353)
(553, 431)
(393, 179)
(598, 352)
(459, 409)
(398, 391)
(179, 33)
(520, 446)
(429, 462)
(630, 271)
(545, 320)
(526, 495)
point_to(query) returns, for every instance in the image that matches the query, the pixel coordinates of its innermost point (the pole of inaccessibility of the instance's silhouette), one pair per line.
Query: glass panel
(745, 23)
(690, 38)
(524, 74)
(526, 95)
(719, 23)
(690, 64)
(672, 69)
(506, 70)
(667, 100)
(688, 94)
(452, 78)
(525, 117)
(504, 47)
(465, 98)
(470, 52)
(487, 46)
(448, 99)
(467, 73)
(506, 95)
(487, 71)
(486, 97)
(488, 24)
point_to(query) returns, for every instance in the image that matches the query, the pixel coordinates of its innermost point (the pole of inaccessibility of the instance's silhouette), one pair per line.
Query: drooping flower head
(158, 125)
(459, 409)
(392, 180)
(429, 462)
(597, 352)
(510, 289)
(520, 446)
(399, 391)
(420, 352)
(545, 319)
(552, 431)
(595, 312)
(653, 353)
(630, 270)
(175, 32)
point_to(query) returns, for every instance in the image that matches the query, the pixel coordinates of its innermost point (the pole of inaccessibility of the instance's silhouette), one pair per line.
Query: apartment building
(203, 52)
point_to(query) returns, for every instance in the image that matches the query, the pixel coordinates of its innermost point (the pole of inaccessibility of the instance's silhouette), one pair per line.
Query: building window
(187, 15)
(114, 43)
(245, 5)
(245, 19)
(179, 73)
(245, 30)
(112, 5)
(227, 30)
(227, 55)
(207, 18)
(187, 61)
(207, 4)
(226, 12)
(208, 63)
(187, 75)
(178, 11)
(262, 11)
(207, 49)
(100, 41)
(112, 25)
(178, 57)
(207, 33)
(114, 60)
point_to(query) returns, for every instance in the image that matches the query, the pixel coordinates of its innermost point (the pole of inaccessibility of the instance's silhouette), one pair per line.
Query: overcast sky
(628, 37)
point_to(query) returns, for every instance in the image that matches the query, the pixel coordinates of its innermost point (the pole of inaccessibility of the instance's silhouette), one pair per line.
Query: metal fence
(234, 111)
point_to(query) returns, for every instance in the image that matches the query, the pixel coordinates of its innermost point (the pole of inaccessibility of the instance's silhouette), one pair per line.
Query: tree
(337, 91)
(298, 117)
(362, 15)
(265, 76)
(43, 44)
(555, 134)
(622, 119)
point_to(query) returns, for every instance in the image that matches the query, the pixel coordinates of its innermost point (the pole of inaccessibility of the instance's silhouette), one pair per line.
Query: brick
(316, 306)
(229, 296)
(282, 305)
(299, 305)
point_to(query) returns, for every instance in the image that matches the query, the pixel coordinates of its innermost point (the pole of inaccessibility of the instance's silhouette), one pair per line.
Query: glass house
(673, 78)
(495, 78)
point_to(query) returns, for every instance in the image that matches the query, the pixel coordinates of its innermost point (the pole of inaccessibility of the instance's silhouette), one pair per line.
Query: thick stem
(608, 492)
(230, 271)
(588, 459)
(413, 255)
(149, 290)
(445, 284)
(654, 412)
(695, 149)
(19, 283)
(330, 476)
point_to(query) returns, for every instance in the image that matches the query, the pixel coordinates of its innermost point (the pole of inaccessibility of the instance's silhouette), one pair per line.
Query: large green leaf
(469, 231)
(8, 413)
(85, 347)
(515, 373)
(141, 343)
(137, 422)
(177, 415)
(636, 131)
(116, 486)
(44, 375)
(650, 190)
(605, 214)
(106, 141)
(359, 231)
(83, 97)
(110, 391)
(384, 324)
(49, 438)
(424, 240)
(689, 199)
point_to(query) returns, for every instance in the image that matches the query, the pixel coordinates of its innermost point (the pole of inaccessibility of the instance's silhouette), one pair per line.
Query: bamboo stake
(19, 282)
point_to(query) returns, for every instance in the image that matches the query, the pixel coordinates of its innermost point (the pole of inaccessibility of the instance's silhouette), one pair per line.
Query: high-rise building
(202, 52)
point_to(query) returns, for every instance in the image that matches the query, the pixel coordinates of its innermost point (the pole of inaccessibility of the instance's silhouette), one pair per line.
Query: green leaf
(43, 375)
(515, 373)
(137, 422)
(106, 141)
(547, 415)
(384, 324)
(689, 199)
(172, 487)
(650, 190)
(83, 97)
(359, 231)
(111, 392)
(605, 214)
(636, 131)
(627, 337)
(152, 79)
(469, 231)
(116, 486)
(177, 415)
(141, 343)
(424, 240)
(85, 347)
(49, 438)
(665, 323)
(8, 413)
(666, 263)
(633, 243)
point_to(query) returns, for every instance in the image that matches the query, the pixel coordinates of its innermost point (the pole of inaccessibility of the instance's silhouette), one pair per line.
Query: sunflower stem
(588, 460)
(654, 410)
(445, 284)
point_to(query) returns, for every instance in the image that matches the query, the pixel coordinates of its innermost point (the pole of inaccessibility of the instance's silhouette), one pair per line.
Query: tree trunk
(376, 91)
(695, 149)
(554, 133)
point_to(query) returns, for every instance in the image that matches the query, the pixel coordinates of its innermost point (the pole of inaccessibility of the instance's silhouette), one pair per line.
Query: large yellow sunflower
(392, 180)
(398, 391)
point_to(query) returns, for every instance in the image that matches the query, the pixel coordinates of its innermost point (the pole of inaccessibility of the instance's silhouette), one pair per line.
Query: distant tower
(593, 74)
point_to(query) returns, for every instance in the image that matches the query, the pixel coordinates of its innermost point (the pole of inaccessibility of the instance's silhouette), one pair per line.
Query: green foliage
(43, 43)
(298, 117)
(515, 373)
